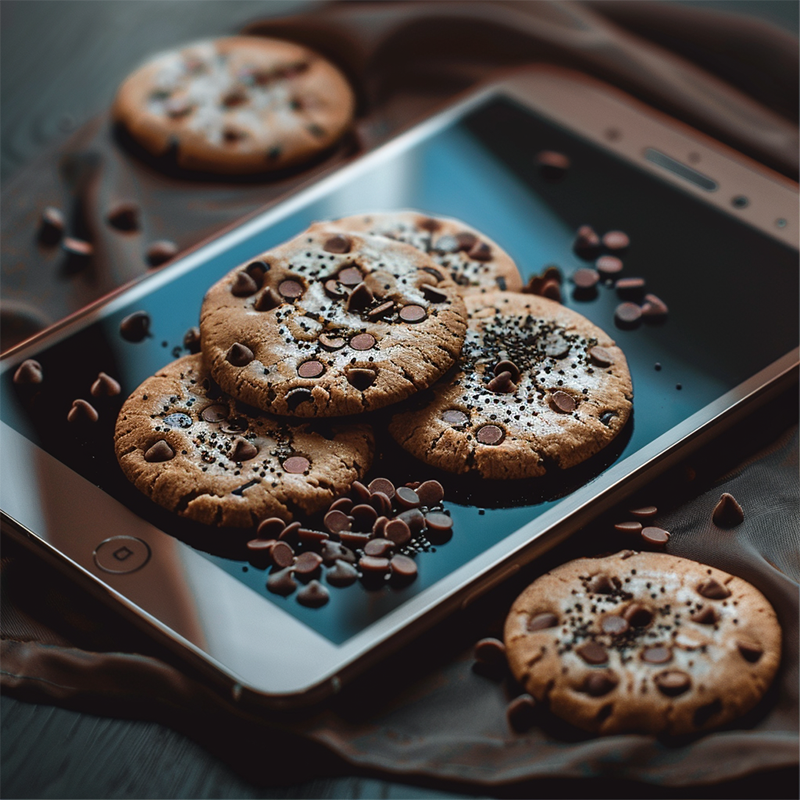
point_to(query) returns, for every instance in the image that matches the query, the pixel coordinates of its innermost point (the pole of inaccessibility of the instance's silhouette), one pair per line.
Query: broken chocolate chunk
(158, 452)
(239, 355)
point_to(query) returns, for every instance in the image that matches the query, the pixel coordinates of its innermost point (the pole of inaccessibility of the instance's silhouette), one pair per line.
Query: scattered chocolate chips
(587, 243)
(124, 216)
(430, 493)
(379, 547)
(282, 554)
(381, 503)
(331, 342)
(521, 713)
(82, 411)
(552, 165)
(135, 327)
(539, 622)
(414, 518)
(29, 372)
(618, 241)
(713, 589)
(657, 537)
(158, 452)
(51, 226)
(601, 356)
(403, 568)
(296, 465)
(372, 565)
(341, 574)
(160, 252)
(727, 513)
(307, 563)
(455, 418)
(282, 582)
(239, 355)
(657, 655)
(364, 516)
(654, 309)
(311, 537)
(608, 266)
(397, 531)
(643, 512)
(631, 527)
(563, 402)
(383, 485)
(490, 651)
(592, 653)
(381, 311)
(438, 522)
(628, 315)
(705, 616)
(243, 285)
(243, 450)
(311, 369)
(507, 366)
(672, 682)
(362, 341)
(490, 435)
(750, 651)
(502, 383)
(585, 279)
(337, 521)
(270, 528)
(407, 498)
(599, 684)
(630, 287)
(290, 289)
(105, 386)
(337, 244)
(413, 313)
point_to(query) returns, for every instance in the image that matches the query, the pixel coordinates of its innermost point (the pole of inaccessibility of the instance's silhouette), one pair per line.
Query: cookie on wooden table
(199, 453)
(537, 387)
(236, 105)
(643, 642)
(467, 256)
(330, 324)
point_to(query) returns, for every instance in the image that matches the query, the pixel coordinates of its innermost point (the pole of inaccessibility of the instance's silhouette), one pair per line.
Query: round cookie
(195, 451)
(236, 105)
(643, 642)
(537, 385)
(471, 259)
(330, 324)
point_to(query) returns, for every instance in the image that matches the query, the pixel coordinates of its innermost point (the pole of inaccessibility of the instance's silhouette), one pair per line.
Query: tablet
(712, 234)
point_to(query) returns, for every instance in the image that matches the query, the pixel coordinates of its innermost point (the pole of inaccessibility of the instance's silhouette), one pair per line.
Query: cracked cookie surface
(331, 324)
(194, 450)
(643, 642)
(536, 385)
(467, 256)
(236, 105)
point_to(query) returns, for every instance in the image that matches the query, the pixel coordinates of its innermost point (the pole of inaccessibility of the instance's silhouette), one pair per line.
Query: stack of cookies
(397, 310)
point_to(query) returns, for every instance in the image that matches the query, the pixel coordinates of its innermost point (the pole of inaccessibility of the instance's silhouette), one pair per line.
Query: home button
(121, 554)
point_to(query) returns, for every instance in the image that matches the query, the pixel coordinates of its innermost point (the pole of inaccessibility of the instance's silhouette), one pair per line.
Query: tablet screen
(731, 292)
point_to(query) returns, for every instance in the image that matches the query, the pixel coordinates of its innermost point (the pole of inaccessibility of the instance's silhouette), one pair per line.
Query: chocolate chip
(191, 340)
(465, 240)
(705, 616)
(630, 287)
(235, 425)
(82, 411)
(307, 563)
(638, 616)
(672, 682)
(413, 313)
(296, 397)
(403, 567)
(282, 554)
(727, 513)
(632, 527)
(657, 655)
(599, 684)
(135, 327)
(29, 372)
(552, 166)
(556, 347)
(435, 272)
(361, 379)
(373, 565)
(296, 465)
(282, 582)
(257, 270)
(261, 549)
(270, 528)
(364, 516)
(507, 366)
(362, 341)
(310, 369)
(587, 243)
(158, 452)
(337, 244)
(124, 216)
(433, 294)
(343, 504)
(350, 276)
(601, 584)
(502, 384)
(331, 342)
(654, 309)
(490, 434)
(178, 420)
(480, 251)
(360, 298)
(592, 653)
(381, 503)
(540, 622)
(614, 625)
(77, 248)
(608, 266)
(243, 285)
(361, 492)
(290, 289)
(585, 279)
(490, 651)
(407, 498)
(521, 713)
(337, 521)
(105, 386)
(643, 512)
(563, 402)
(214, 413)
(332, 552)
(749, 651)
(607, 416)
(51, 226)
(551, 290)
(657, 537)
(601, 356)
(239, 355)
(382, 310)
(352, 539)
(383, 485)
(267, 300)
(438, 522)
(455, 418)
(413, 518)
(430, 493)
(243, 450)
(397, 531)
(379, 547)
(713, 589)
(627, 315)
(160, 252)
(616, 241)
(341, 574)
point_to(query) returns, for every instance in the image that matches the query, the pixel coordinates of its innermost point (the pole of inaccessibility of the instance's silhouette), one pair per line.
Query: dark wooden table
(61, 63)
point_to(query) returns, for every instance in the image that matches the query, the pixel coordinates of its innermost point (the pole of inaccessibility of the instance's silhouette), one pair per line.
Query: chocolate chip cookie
(236, 105)
(330, 324)
(643, 642)
(199, 453)
(467, 256)
(537, 386)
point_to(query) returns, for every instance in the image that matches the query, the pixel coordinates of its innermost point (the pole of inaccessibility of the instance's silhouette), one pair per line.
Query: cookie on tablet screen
(236, 105)
(195, 451)
(643, 642)
(330, 324)
(471, 259)
(537, 386)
